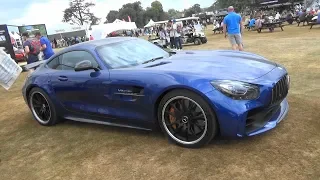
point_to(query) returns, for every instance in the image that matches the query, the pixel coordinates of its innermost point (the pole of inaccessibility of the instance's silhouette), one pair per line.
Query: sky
(50, 12)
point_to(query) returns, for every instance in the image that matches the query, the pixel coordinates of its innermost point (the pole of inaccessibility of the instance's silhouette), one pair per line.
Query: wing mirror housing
(84, 66)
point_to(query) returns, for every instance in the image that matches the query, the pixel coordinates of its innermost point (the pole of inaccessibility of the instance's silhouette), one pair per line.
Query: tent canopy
(65, 28)
(101, 31)
(178, 20)
(150, 23)
(118, 21)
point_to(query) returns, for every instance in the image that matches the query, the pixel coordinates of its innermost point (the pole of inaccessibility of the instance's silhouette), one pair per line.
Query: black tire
(47, 104)
(197, 41)
(204, 40)
(209, 119)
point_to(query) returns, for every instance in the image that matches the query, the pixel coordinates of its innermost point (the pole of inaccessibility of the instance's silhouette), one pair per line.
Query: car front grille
(280, 90)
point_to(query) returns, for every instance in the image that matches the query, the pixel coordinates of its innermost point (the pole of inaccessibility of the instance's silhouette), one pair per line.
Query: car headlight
(237, 90)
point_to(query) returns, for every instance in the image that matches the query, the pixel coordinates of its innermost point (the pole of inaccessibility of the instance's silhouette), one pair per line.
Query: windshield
(130, 53)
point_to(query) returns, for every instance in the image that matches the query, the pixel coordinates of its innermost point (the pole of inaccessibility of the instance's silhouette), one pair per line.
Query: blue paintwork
(93, 95)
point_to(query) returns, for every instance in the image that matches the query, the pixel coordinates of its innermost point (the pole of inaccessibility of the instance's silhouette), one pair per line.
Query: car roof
(96, 43)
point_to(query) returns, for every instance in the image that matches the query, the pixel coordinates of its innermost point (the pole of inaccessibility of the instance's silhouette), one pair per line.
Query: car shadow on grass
(159, 135)
(115, 129)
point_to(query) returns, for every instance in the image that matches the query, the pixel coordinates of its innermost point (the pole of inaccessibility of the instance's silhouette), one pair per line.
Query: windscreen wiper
(152, 60)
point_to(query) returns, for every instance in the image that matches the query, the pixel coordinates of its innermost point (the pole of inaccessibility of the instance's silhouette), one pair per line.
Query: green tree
(239, 5)
(112, 16)
(192, 10)
(134, 10)
(172, 13)
(79, 13)
(155, 12)
(213, 7)
(196, 8)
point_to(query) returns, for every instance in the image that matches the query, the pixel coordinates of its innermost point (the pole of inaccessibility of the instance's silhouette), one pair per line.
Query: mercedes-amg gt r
(129, 82)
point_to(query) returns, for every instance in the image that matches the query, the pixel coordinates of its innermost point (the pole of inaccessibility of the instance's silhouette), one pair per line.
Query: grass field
(84, 151)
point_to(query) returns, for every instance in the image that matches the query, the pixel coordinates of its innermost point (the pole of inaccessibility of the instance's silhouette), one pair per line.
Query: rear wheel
(204, 40)
(187, 119)
(42, 107)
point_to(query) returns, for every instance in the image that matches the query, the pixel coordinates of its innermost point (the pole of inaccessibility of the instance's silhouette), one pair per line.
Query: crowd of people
(232, 24)
(173, 31)
(37, 48)
(255, 19)
(67, 41)
(302, 15)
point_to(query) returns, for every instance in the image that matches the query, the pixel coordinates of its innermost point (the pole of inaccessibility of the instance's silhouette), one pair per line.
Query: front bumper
(272, 120)
(246, 118)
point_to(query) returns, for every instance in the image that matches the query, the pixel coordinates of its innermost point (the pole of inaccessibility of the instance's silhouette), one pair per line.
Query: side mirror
(84, 65)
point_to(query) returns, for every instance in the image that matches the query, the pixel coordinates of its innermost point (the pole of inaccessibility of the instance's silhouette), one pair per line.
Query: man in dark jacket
(28, 49)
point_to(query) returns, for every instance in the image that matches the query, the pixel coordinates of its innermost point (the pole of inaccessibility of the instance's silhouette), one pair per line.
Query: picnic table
(305, 19)
(271, 26)
(313, 24)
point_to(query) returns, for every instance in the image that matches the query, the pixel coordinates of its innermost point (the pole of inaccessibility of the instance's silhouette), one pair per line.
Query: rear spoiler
(33, 65)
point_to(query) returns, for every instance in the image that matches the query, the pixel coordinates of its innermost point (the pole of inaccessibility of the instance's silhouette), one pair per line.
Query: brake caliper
(172, 118)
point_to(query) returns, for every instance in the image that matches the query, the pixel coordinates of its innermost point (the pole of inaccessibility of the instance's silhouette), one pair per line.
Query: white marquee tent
(64, 28)
(150, 23)
(101, 31)
(118, 21)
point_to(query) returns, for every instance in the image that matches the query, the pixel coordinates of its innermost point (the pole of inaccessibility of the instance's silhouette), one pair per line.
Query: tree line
(79, 11)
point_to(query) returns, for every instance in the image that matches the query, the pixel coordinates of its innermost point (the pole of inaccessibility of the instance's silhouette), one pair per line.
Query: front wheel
(204, 40)
(187, 119)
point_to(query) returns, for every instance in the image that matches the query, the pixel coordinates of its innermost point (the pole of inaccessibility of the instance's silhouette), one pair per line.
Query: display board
(31, 29)
(5, 41)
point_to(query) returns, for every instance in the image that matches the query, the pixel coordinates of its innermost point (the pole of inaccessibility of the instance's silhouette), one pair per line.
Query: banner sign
(5, 41)
(31, 29)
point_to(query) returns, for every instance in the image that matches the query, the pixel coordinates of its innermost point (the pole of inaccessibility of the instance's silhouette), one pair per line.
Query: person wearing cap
(233, 28)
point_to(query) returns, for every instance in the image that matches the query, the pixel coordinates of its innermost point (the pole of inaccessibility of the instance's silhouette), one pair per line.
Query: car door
(128, 96)
(78, 92)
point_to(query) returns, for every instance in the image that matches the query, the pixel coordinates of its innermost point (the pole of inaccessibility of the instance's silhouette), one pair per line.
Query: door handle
(63, 78)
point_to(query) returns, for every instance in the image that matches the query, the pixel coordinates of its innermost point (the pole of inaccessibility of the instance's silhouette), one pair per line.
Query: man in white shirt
(177, 35)
(171, 34)
(277, 17)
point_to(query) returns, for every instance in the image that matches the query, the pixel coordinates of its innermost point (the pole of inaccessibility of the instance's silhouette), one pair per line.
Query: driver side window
(67, 61)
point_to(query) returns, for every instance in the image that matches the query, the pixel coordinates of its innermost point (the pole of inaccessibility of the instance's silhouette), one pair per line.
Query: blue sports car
(129, 82)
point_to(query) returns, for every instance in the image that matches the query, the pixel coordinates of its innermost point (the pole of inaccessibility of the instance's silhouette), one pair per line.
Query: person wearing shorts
(233, 28)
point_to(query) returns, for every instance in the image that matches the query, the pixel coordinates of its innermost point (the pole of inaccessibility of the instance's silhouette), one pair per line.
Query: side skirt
(104, 123)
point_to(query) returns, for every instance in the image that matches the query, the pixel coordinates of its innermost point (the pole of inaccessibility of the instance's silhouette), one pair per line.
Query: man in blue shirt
(232, 24)
(46, 47)
(252, 23)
